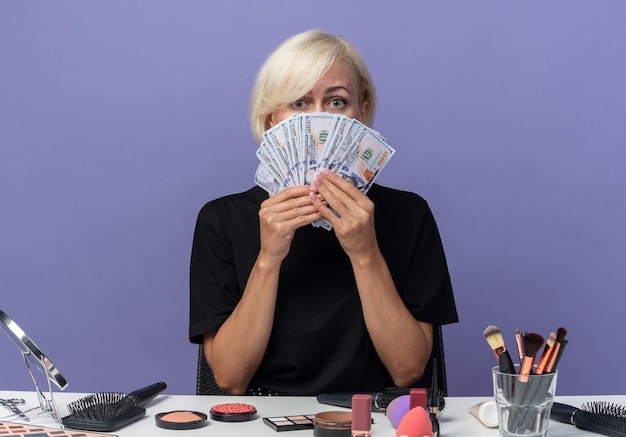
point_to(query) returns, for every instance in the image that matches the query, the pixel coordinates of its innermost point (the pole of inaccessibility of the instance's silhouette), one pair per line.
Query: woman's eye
(299, 104)
(337, 103)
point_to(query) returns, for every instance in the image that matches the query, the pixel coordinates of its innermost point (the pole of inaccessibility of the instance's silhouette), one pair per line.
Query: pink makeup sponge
(397, 408)
(415, 423)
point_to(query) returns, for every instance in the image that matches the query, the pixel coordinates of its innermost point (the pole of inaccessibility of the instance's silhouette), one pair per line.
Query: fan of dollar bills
(295, 150)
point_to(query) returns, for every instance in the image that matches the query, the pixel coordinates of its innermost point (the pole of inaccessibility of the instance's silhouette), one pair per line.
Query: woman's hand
(349, 211)
(281, 215)
(402, 343)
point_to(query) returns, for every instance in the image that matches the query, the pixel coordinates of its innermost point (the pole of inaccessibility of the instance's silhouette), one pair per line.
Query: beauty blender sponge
(415, 423)
(397, 408)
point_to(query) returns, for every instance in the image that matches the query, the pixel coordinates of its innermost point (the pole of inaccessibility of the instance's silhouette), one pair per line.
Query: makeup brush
(560, 336)
(532, 343)
(433, 402)
(545, 356)
(599, 417)
(520, 347)
(493, 335)
(109, 411)
(559, 354)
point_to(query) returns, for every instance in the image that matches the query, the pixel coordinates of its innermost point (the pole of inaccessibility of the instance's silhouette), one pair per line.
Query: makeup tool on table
(361, 415)
(433, 402)
(332, 424)
(520, 346)
(12, 406)
(555, 354)
(486, 413)
(516, 395)
(545, 355)
(494, 337)
(290, 423)
(380, 400)
(400, 406)
(355, 423)
(599, 417)
(109, 411)
(181, 420)
(22, 430)
(299, 422)
(98, 412)
(532, 343)
(33, 356)
(397, 409)
(233, 412)
(415, 423)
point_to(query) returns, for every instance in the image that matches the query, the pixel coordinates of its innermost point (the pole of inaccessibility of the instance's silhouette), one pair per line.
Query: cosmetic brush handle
(145, 394)
(506, 363)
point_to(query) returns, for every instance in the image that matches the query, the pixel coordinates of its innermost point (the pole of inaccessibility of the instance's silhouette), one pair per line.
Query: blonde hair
(293, 69)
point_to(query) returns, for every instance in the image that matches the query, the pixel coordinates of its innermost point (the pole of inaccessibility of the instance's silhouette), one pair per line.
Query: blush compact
(233, 412)
(181, 420)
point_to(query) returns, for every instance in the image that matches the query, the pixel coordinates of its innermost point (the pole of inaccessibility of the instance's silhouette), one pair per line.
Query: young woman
(283, 307)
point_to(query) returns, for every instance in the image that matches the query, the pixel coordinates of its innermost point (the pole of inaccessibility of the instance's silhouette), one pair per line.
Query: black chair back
(206, 385)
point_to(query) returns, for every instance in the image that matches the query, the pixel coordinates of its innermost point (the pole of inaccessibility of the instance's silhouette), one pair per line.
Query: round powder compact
(181, 420)
(333, 424)
(234, 412)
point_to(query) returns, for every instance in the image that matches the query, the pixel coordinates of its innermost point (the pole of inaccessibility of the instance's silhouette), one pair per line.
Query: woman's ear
(365, 108)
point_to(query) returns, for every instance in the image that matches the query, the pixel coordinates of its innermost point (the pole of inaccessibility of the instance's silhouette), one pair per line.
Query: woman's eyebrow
(333, 89)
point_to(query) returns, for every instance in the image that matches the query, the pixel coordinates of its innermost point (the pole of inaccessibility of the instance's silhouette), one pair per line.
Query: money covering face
(298, 148)
(322, 130)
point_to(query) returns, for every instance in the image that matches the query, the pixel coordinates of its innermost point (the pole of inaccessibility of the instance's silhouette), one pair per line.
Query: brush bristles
(102, 406)
(493, 335)
(609, 408)
(611, 416)
(532, 344)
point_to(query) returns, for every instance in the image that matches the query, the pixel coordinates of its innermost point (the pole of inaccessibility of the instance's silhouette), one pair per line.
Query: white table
(455, 420)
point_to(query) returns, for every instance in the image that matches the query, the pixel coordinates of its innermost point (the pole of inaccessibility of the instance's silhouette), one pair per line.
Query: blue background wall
(120, 119)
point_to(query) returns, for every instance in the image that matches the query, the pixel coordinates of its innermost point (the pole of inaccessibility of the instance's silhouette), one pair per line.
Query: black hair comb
(109, 411)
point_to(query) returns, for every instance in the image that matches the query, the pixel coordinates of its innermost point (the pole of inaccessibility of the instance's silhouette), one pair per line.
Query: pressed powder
(333, 424)
(233, 412)
(181, 420)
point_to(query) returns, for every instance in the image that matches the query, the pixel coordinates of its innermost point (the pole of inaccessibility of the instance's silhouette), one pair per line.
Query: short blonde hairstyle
(293, 69)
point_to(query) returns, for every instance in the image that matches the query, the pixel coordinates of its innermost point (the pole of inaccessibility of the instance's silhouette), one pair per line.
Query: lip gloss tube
(361, 415)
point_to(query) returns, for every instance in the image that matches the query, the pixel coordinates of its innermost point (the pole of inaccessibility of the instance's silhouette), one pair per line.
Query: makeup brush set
(599, 417)
(528, 346)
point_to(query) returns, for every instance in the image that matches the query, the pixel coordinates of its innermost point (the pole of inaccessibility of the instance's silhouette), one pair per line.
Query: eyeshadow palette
(18, 429)
(290, 423)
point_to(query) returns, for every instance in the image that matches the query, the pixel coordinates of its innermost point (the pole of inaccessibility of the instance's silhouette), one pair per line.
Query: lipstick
(361, 415)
